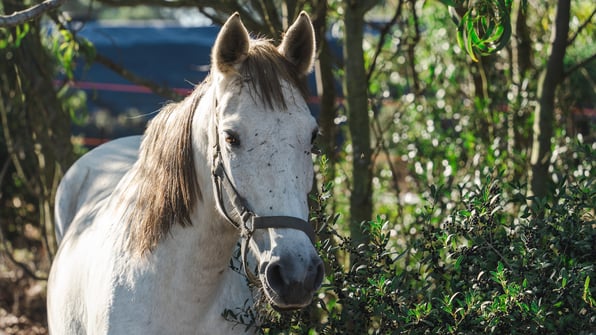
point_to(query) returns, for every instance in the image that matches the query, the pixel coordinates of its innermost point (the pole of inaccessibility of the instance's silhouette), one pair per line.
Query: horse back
(92, 178)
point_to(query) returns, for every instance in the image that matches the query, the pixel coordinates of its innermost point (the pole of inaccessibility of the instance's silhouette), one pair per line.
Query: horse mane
(165, 171)
(165, 174)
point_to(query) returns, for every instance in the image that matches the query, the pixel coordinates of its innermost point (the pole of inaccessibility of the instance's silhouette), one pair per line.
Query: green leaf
(458, 262)
(21, 32)
(587, 296)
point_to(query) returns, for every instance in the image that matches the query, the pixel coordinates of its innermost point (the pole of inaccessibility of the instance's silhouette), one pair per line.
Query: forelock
(265, 70)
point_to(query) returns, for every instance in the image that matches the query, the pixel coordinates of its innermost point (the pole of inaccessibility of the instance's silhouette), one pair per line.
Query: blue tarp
(173, 56)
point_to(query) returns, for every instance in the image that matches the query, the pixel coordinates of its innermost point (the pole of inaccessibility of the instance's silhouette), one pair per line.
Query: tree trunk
(521, 63)
(326, 91)
(356, 100)
(544, 114)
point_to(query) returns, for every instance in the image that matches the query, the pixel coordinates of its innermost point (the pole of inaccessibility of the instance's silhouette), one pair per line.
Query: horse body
(108, 292)
(146, 245)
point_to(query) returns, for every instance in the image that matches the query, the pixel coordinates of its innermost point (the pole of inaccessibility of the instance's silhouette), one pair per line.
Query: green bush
(486, 259)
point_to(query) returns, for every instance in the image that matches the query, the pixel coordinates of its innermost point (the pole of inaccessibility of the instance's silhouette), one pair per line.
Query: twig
(214, 18)
(383, 35)
(126, 74)
(9, 253)
(412, 46)
(580, 28)
(378, 132)
(270, 17)
(3, 173)
(45, 221)
(29, 14)
(579, 66)
(10, 145)
(492, 247)
(160, 3)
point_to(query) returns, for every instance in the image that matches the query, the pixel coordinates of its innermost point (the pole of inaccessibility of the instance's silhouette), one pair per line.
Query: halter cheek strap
(249, 222)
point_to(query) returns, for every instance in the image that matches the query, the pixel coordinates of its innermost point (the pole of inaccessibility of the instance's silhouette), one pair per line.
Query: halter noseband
(249, 220)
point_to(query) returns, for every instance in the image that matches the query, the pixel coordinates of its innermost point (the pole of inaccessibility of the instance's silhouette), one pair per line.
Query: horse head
(260, 139)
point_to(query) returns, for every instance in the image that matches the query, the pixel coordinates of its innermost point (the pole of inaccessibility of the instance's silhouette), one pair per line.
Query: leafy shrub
(487, 259)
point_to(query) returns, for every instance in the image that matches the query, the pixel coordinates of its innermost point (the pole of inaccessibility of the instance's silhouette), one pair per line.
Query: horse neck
(196, 254)
(183, 278)
(199, 252)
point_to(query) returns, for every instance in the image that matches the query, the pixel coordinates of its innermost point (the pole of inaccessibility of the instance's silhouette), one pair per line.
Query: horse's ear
(231, 45)
(298, 45)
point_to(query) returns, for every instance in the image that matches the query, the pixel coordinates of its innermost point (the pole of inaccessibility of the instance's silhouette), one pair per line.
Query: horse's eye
(232, 139)
(314, 136)
(313, 148)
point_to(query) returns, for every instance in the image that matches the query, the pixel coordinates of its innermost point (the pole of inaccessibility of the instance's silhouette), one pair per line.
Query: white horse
(148, 227)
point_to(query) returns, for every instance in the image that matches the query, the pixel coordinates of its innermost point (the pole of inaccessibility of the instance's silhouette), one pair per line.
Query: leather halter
(249, 221)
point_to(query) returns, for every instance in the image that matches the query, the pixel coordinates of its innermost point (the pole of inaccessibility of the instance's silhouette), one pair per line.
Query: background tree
(355, 86)
(35, 124)
(35, 151)
(549, 80)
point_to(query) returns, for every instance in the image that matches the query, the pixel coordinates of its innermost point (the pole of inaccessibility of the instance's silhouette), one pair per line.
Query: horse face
(265, 148)
(267, 156)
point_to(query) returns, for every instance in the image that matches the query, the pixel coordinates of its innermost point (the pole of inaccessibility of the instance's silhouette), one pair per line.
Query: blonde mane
(165, 171)
(265, 69)
(165, 174)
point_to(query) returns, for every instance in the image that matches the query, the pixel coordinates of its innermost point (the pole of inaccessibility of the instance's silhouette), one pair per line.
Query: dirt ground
(22, 300)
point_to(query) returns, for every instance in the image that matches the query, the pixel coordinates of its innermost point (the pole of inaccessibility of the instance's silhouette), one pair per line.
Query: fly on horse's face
(264, 133)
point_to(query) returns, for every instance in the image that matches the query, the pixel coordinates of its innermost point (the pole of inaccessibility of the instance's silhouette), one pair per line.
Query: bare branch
(221, 9)
(154, 87)
(216, 19)
(29, 14)
(9, 252)
(383, 35)
(271, 18)
(411, 49)
(580, 28)
(11, 146)
(579, 66)
(161, 3)
(3, 173)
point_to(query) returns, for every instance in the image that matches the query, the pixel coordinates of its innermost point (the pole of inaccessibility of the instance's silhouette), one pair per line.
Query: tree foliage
(474, 267)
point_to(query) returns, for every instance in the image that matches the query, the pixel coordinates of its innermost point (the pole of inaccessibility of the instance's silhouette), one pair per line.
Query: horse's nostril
(320, 273)
(275, 276)
(280, 277)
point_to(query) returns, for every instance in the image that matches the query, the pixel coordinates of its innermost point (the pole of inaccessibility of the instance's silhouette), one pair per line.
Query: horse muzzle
(290, 282)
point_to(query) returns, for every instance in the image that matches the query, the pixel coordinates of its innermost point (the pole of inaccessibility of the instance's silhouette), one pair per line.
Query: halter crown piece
(249, 221)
